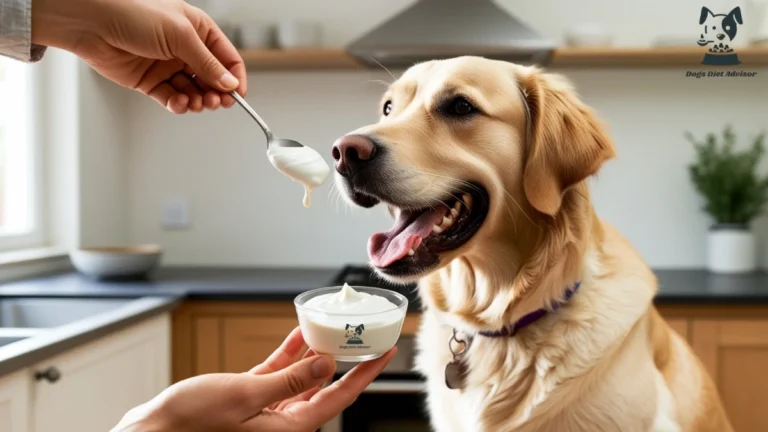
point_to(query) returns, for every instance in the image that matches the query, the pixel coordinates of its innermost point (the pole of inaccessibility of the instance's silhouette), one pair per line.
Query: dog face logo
(353, 333)
(719, 30)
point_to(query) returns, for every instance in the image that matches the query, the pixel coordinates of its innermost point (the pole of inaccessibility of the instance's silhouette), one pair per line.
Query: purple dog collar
(532, 317)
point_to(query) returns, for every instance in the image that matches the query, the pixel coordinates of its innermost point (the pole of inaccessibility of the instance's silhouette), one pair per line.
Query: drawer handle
(51, 375)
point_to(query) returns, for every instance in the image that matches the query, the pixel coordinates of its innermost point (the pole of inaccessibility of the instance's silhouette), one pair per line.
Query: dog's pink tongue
(388, 247)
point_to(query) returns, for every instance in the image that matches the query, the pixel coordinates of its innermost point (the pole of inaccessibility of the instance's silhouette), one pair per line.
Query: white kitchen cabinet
(14, 402)
(91, 387)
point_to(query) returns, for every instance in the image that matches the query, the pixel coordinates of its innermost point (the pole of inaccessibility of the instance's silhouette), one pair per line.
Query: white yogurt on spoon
(301, 164)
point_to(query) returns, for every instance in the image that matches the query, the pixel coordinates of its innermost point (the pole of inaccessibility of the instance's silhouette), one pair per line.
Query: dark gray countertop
(703, 287)
(198, 283)
(169, 286)
(242, 284)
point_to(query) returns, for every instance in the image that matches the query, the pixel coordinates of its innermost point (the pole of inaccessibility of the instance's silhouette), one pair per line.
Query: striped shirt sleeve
(16, 31)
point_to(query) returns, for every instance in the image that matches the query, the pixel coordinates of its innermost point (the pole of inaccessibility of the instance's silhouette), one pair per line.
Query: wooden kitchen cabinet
(100, 381)
(236, 344)
(731, 341)
(14, 402)
(213, 337)
(248, 341)
(735, 353)
(681, 326)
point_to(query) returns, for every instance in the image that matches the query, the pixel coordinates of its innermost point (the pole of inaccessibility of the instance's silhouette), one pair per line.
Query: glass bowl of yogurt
(351, 324)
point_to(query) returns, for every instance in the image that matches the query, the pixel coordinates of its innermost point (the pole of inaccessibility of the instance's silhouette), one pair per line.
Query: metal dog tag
(454, 375)
(455, 371)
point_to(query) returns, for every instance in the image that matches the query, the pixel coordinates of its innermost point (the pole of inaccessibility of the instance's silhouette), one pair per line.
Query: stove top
(364, 276)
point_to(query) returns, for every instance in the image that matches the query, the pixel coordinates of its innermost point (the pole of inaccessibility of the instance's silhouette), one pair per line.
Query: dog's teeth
(447, 222)
(457, 206)
(436, 229)
(411, 252)
(467, 198)
(455, 212)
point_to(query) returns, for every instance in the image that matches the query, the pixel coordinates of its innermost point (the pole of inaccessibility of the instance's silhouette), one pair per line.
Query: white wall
(102, 160)
(85, 162)
(245, 213)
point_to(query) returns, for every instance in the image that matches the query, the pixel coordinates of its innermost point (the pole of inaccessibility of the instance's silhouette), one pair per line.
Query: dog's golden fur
(605, 361)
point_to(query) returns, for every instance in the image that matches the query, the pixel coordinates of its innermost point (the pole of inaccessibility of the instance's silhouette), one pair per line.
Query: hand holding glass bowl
(351, 324)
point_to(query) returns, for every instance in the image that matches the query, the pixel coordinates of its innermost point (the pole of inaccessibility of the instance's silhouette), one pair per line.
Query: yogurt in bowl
(351, 324)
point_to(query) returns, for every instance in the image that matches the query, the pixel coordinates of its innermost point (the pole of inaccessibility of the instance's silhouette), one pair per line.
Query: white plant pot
(731, 249)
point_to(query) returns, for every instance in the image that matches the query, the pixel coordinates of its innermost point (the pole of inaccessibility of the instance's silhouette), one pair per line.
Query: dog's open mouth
(412, 245)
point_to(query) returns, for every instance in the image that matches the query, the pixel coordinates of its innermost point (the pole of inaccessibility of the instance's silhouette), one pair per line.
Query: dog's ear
(736, 15)
(704, 13)
(347, 327)
(566, 143)
(361, 327)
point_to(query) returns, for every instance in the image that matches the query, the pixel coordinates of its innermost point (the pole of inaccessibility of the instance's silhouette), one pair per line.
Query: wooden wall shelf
(582, 58)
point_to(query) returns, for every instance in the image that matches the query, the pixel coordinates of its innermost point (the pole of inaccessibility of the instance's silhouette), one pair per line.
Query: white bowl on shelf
(116, 262)
(588, 35)
(257, 35)
(297, 34)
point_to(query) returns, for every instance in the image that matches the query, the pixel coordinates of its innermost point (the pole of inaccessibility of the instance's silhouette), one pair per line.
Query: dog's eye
(387, 108)
(460, 107)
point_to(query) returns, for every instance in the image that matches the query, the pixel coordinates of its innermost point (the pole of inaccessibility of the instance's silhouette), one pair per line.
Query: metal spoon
(271, 140)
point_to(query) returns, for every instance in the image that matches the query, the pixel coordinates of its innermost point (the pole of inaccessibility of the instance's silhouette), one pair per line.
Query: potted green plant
(734, 194)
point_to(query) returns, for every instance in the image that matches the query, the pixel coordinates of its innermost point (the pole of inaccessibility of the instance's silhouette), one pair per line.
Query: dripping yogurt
(303, 165)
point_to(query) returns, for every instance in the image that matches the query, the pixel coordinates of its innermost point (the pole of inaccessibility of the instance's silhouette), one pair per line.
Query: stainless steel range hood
(436, 29)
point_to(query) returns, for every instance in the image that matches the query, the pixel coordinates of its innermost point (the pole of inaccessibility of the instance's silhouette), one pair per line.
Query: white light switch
(175, 213)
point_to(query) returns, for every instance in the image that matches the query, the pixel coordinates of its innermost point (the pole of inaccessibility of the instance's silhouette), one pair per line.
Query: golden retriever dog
(484, 164)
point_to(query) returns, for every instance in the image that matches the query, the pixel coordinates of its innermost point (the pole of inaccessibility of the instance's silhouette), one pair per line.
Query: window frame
(37, 237)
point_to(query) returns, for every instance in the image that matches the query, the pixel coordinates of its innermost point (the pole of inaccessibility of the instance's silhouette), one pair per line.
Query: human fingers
(211, 100)
(296, 379)
(302, 397)
(285, 355)
(224, 50)
(223, 99)
(201, 60)
(183, 84)
(332, 400)
(211, 55)
(173, 101)
(211, 97)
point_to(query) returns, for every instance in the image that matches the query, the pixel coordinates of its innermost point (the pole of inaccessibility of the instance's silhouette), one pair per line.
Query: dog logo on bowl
(353, 333)
(719, 31)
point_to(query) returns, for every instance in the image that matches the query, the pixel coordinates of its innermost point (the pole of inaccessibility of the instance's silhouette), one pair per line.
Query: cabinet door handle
(51, 375)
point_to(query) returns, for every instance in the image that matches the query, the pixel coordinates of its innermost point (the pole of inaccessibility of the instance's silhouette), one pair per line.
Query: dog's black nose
(721, 36)
(352, 153)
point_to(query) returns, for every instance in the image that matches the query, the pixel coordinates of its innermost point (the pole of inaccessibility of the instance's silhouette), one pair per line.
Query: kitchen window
(20, 171)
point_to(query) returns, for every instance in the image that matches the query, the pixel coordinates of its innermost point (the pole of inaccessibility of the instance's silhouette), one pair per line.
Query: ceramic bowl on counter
(116, 262)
